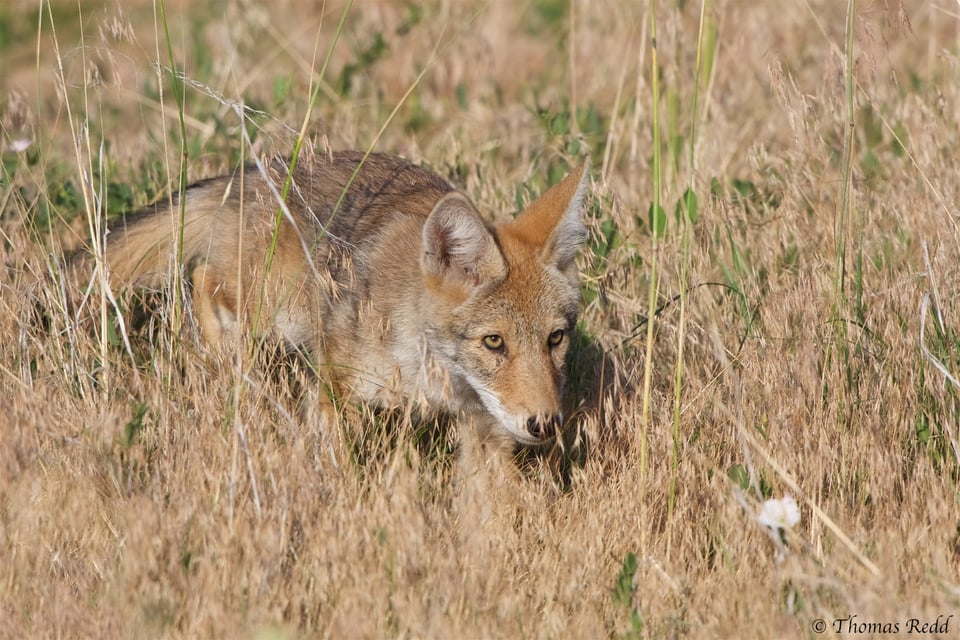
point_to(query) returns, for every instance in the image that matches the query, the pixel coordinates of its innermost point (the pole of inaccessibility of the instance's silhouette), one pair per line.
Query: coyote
(388, 277)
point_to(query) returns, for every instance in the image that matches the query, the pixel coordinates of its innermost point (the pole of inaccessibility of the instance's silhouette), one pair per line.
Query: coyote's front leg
(487, 482)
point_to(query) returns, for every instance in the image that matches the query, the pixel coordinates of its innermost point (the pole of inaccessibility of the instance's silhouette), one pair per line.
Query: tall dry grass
(152, 489)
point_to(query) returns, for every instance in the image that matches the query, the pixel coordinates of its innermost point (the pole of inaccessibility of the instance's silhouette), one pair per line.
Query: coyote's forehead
(530, 297)
(528, 272)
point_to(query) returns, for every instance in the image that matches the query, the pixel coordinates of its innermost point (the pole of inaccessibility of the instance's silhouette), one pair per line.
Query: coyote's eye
(493, 342)
(555, 338)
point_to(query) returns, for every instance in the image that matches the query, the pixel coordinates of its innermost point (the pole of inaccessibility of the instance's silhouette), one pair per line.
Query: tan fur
(397, 293)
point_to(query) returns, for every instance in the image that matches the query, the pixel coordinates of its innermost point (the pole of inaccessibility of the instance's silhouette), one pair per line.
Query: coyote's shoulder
(387, 275)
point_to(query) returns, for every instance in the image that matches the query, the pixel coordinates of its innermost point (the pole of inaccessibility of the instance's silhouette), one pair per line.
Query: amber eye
(555, 338)
(493, 342)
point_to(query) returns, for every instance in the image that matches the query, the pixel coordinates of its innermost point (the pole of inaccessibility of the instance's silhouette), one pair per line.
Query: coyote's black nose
(543, 427)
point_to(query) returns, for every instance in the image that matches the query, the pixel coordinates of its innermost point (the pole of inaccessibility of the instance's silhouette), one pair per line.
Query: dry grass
(160, 497)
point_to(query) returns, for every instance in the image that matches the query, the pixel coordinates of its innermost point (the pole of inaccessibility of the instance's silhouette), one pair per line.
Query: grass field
(775, 185)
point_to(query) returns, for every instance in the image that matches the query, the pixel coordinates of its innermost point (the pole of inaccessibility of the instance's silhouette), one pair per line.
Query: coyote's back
(229, 226)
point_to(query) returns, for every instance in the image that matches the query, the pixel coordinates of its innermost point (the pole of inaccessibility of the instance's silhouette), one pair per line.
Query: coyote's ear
(458, 248)
(554, 221)
(570, 231)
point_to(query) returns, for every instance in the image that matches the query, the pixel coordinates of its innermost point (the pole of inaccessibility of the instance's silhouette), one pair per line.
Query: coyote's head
(504, 302)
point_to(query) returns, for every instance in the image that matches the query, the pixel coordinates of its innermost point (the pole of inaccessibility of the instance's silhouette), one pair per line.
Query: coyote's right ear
(458, 248)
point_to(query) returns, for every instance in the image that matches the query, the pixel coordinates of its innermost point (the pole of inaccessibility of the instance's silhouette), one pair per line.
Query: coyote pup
(389, 278)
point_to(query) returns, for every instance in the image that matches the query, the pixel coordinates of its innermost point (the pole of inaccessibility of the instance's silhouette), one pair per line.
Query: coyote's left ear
(554, 222)
(569, 232)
